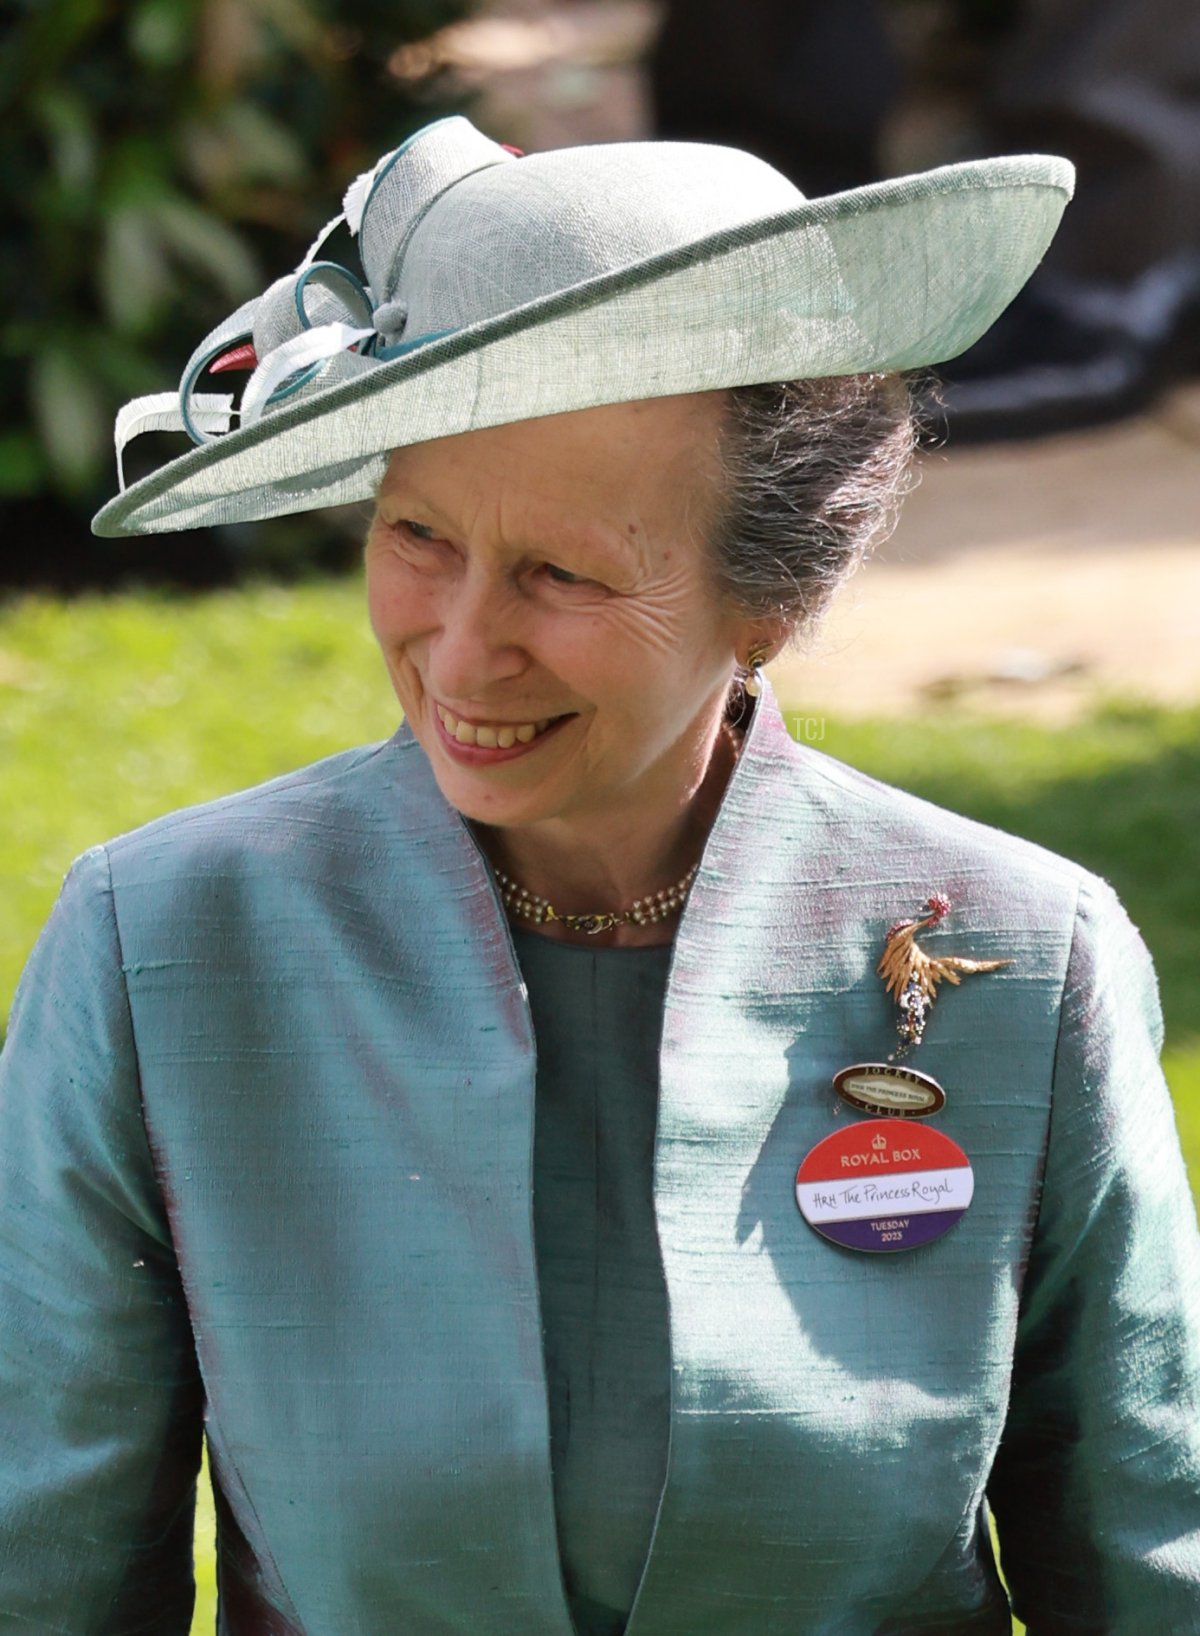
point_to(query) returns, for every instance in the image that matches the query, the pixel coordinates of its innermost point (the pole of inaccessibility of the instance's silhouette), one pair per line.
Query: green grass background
(114, 710)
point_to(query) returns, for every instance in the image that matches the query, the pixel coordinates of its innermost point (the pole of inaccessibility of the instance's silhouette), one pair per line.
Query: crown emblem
(879, 1142)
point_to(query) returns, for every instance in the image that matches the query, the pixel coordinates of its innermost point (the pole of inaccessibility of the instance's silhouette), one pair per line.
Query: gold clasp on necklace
(591, 924)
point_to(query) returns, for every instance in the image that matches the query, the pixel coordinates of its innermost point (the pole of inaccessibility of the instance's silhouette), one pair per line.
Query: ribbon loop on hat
(160, 412)
(321, 323)
(232, 331)
(404, 186)
(322, 293)
(296, 363)
(335, 286)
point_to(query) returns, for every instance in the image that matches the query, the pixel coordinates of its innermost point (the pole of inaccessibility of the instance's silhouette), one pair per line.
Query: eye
(418, 531)
(562, 576)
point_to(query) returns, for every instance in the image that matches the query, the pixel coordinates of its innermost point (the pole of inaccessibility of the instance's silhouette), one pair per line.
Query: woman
(271, 1160)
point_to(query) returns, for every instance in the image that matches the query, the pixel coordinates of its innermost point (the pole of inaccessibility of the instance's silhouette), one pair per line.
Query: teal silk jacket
(265, 1143)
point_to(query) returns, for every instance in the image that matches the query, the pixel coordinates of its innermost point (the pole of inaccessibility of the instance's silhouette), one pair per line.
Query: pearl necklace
(642, 912)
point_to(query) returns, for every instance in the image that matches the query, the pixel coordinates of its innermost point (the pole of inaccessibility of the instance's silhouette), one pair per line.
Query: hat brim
(899, 275)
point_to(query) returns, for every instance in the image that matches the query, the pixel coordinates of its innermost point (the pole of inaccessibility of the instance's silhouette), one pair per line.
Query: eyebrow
(609, 541)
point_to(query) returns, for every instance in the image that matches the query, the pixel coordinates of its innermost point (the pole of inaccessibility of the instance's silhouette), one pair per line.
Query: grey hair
(814, 472)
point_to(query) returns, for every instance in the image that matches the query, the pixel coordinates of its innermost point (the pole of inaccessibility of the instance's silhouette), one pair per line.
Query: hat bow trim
(322, 323)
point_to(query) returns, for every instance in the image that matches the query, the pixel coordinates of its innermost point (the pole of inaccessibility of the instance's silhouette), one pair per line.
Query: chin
(481, 795)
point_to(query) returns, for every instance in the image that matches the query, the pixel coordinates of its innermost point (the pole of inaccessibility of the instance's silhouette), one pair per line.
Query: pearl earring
(752, 679)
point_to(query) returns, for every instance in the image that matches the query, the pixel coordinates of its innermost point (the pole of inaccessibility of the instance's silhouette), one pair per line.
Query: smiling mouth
(498, 735)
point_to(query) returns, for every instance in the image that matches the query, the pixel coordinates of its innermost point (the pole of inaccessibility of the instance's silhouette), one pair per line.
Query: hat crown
(514, 233)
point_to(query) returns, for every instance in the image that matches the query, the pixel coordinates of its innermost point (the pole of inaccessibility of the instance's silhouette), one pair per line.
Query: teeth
(494, 736)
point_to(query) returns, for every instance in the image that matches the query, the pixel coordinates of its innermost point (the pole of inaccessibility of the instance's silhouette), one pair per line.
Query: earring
(752, 680)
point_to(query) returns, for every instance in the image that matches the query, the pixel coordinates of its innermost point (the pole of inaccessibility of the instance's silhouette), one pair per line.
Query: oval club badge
(885, 1088)
(883, 1184)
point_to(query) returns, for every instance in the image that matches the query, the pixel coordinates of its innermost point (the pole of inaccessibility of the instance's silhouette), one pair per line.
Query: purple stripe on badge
(883, 1233)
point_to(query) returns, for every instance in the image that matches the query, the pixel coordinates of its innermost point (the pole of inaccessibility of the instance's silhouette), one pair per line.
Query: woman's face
(547, 613)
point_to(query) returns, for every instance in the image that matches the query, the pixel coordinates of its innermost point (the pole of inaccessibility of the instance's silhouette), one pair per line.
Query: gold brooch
(911, 976)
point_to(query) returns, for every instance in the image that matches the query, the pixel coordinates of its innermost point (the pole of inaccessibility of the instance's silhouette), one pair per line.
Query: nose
(476, 645)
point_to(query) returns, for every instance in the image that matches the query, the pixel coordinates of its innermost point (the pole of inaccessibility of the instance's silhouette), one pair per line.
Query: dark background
(162, 161)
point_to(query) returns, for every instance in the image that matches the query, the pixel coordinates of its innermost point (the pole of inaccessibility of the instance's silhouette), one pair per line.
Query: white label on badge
(907, 1192)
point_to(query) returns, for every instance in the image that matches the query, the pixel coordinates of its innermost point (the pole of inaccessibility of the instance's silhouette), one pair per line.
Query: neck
(604, 864)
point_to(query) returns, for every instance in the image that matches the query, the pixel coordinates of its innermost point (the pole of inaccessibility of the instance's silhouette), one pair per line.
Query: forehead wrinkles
(637, 480)
(508, 520)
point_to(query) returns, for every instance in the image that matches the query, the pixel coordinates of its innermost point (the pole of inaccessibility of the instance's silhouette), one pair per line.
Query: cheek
(598, 657)
(398, 606)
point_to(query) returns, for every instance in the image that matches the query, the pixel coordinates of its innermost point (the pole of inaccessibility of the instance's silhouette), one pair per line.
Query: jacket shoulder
(878, 814)
(310, 807)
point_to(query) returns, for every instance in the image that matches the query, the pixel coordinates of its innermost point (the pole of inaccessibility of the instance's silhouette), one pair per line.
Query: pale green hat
(496, 288)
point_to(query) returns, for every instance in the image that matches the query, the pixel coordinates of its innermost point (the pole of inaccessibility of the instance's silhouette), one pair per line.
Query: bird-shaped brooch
(911, 976)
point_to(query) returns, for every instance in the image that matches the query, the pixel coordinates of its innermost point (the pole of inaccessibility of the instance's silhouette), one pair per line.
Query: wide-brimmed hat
(495, 288)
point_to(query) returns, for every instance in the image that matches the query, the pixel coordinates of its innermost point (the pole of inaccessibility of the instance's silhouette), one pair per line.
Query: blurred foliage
(164, 159)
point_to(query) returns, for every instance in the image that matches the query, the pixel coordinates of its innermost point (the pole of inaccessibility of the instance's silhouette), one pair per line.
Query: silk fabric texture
(597, 1020)
(266, 1113)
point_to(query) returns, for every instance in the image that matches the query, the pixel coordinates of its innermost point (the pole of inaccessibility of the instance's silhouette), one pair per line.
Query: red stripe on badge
(880, 1147)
